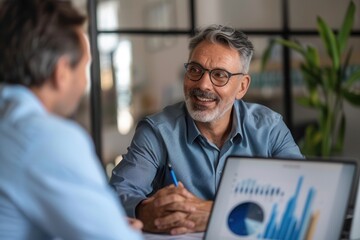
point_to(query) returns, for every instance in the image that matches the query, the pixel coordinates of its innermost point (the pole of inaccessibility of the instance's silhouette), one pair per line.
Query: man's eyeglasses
(218, 77)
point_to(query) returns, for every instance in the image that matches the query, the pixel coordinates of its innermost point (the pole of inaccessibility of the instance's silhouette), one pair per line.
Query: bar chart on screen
(251, 187)
(287, 216)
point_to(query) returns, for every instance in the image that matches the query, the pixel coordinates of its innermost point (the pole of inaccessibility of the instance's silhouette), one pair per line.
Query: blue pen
(172, 173)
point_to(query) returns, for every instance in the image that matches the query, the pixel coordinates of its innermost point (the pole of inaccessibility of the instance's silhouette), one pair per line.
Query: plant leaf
(287, 43)
(353, 98)
(354, 77)
(346, 63)
(346, 27)
(293, 45)
(341, 134)
(330, 42)
(311, 146)
(266, 55)
(305, 101)
(312, 56)
(312, 76)
(330, 79)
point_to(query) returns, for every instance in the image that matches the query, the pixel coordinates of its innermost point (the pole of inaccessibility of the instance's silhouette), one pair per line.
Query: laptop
(355, 225)
(262, 198)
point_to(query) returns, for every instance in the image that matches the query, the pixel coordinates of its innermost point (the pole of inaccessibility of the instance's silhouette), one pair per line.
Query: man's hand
(167, 202)
(199, 216)
(174, 210)
(135, 223)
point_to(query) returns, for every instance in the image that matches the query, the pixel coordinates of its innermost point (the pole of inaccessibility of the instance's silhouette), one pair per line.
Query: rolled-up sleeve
(135, 176)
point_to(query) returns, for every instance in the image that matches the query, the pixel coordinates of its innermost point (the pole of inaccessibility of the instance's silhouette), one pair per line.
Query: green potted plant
(328, 86)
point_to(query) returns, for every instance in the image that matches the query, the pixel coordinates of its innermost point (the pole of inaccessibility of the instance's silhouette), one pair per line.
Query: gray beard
(205, 116)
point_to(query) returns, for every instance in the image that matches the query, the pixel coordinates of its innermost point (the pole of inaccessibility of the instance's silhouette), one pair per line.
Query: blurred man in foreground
(51, 182)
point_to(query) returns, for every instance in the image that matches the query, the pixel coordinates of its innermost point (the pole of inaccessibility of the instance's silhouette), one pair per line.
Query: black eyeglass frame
(210, 71)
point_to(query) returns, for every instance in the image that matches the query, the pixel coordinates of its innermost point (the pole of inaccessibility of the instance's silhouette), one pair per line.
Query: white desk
(189, 236)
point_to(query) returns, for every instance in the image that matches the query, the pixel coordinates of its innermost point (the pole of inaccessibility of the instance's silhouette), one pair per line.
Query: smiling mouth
(203, 104)
(202, 99)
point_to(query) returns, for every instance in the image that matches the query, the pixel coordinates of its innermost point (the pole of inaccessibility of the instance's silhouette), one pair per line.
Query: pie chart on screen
(245, 219)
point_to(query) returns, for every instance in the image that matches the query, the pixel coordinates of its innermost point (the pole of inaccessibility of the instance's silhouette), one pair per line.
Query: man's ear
(244, 86)
(62, 73)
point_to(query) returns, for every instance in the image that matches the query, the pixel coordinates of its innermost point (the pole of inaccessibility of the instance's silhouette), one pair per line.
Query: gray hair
(227, 36)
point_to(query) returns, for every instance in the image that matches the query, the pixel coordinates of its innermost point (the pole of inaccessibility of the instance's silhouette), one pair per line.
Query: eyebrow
(218, 68)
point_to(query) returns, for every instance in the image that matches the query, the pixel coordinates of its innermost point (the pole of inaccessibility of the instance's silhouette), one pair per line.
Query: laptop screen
(355, 225)
(262, 198)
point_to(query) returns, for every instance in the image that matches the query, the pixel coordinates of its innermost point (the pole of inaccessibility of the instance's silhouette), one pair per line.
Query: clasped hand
(174, 210)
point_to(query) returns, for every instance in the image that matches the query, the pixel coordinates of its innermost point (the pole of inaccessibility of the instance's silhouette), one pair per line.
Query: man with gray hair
(196, 136)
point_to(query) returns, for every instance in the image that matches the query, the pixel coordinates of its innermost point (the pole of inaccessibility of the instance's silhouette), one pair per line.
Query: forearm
(134, 177)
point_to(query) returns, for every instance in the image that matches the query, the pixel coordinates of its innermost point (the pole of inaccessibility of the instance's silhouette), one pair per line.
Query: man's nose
(205, 80)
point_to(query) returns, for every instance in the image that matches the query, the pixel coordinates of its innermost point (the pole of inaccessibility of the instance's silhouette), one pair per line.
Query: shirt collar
(193, 132)
(20, 97)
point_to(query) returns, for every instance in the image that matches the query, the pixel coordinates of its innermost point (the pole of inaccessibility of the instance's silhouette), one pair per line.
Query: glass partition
(303, 13)
(244, 14)
(137, 80)
(140, 14)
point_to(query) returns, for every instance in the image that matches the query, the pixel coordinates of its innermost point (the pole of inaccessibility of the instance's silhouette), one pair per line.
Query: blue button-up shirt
(171, 136)
(51, 183)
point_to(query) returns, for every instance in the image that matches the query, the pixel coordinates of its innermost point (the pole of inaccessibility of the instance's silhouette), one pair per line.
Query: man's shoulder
(41, 139)
(257, 112)
(48, 128)
(24, 116)
(57, 127)
(63, 143)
